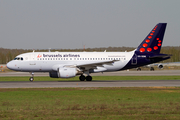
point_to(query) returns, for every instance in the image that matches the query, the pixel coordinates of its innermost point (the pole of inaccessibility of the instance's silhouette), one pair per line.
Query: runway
(117, 73)
(95, 83)
(75, 84)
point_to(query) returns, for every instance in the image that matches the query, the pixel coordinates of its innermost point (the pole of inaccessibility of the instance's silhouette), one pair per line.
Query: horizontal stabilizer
(159, 56)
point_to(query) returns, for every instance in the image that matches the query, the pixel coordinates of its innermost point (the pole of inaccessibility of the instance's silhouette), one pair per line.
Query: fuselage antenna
(49, 49)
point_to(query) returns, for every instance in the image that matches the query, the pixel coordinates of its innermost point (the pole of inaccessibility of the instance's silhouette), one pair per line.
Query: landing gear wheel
(82, 78)
(138, 69)
(151, 69)
(88, 78)
(31, 79)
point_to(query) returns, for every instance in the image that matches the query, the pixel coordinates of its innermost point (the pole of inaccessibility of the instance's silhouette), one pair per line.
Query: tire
(138, 69)
(31, 79)
(88, 78)
(82, 78)
(151, 69)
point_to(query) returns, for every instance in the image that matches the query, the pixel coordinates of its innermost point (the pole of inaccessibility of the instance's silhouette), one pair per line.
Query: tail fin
(153, 42)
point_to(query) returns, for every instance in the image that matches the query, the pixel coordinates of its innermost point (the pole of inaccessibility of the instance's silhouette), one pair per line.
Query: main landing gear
(31, 79)
(82, 78)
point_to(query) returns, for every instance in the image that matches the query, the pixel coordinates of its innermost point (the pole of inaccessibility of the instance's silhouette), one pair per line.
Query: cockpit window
(18, 58)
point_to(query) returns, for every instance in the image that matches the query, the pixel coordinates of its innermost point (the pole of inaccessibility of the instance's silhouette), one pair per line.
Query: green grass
(91, 103)
(94, 78)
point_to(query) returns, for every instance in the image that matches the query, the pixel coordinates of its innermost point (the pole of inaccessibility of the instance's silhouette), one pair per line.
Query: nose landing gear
(31, 79)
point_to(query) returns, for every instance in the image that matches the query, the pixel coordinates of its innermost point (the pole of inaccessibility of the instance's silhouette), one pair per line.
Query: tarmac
(117, 73)
(100, 83)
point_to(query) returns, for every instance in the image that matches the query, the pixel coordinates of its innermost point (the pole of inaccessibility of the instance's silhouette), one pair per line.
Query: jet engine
(160, 66)
(64, 72)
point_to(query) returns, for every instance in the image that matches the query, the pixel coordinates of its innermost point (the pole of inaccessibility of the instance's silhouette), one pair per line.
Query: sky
(71, 24)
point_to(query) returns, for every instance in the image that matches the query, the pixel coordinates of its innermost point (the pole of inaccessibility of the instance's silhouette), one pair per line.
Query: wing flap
(95, 64)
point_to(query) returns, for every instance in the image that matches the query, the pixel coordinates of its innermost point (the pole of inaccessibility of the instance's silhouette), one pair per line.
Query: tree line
(9, 54)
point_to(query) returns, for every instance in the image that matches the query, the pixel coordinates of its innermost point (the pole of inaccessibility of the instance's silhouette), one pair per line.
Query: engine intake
(160, 66)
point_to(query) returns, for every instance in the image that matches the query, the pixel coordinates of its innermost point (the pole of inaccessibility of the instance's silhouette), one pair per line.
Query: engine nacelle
(63, 72)
(160, 66)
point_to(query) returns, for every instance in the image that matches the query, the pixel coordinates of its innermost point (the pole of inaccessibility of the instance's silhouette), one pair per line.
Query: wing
(94, 65)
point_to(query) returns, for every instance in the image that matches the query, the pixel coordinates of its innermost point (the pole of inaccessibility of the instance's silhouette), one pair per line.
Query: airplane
(71, 64)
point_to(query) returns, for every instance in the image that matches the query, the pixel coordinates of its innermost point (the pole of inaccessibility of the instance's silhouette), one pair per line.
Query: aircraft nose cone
(9, 65)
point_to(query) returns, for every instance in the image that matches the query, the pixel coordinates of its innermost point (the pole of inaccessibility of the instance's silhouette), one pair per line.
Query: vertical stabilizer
(153, 42)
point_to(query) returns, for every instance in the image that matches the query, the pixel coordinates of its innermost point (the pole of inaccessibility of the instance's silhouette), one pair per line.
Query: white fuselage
(50, 61)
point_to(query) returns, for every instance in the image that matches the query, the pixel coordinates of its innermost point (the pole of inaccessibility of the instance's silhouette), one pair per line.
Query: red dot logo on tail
(149, 37)
(147, 41)
(155, 47)
(159, 44)
(149, 49)
(145, 45)
(142, 50)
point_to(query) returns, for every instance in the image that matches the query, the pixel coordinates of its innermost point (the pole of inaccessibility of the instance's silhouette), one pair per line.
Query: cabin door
(134, 60)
